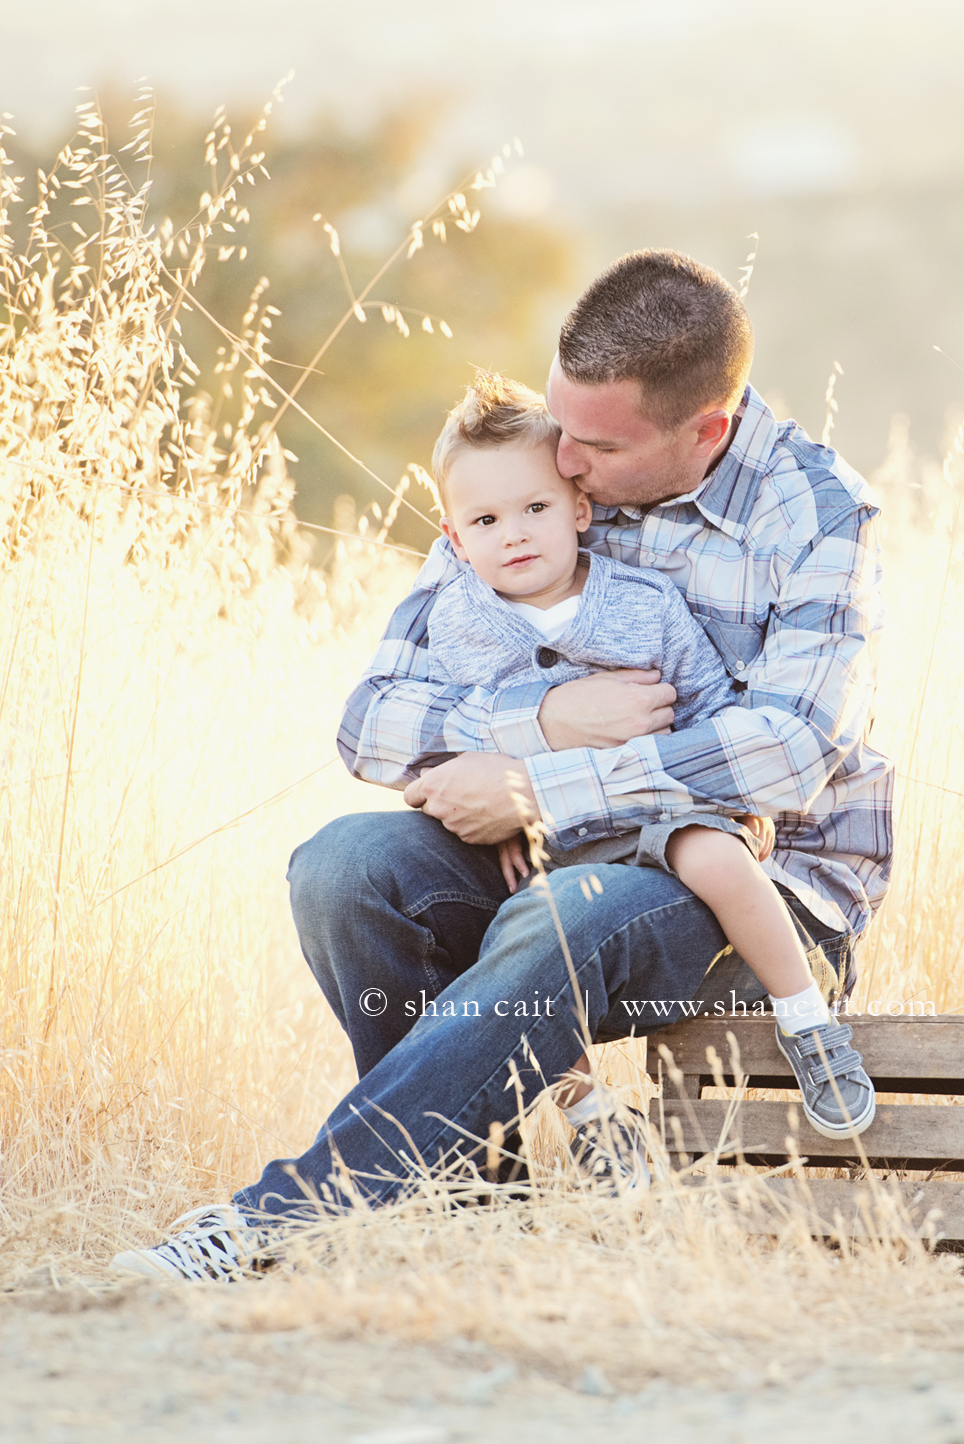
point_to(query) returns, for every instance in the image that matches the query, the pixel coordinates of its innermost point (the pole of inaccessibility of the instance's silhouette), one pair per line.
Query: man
(458, 998)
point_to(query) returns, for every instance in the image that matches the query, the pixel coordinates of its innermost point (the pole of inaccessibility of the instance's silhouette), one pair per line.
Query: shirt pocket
(738, 643)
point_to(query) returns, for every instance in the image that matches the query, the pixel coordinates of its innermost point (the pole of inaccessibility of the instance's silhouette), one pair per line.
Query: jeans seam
(449, 896)
(427, 969)
(437, 983)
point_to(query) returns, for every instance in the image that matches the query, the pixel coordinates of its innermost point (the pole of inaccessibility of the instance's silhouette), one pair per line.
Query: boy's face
(513, 518)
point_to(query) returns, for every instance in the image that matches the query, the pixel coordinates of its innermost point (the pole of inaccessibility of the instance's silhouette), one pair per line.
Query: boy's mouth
(521, 561)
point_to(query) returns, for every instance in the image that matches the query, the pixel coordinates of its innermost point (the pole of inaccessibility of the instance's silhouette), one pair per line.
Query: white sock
(801, 1011)
(582, 1112)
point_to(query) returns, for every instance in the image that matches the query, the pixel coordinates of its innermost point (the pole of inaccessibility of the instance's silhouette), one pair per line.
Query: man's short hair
(665, 321)
(493, 411)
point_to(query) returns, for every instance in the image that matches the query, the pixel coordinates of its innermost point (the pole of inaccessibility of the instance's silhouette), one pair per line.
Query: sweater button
(546, 657)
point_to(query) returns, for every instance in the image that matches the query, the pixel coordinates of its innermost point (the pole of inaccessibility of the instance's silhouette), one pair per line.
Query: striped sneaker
(612, 1155)
(209, 1243)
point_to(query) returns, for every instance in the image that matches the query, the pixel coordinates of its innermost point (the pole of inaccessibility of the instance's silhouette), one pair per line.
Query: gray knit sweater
(627, 617)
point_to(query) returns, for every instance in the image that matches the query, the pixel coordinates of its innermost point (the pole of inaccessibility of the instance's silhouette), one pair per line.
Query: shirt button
(546, 657)
(739, 664)
(582, 831)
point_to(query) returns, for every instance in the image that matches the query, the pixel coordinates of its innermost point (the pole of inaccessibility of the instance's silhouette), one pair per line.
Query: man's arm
(803, 714)
(397, 721)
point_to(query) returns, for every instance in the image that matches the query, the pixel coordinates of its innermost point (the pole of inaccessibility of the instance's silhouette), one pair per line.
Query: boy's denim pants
(443, 981)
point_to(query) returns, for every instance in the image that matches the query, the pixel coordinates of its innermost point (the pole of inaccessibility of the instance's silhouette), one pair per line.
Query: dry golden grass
(171, 675)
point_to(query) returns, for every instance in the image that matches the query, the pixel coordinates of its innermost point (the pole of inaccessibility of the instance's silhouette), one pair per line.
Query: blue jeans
(442, 981)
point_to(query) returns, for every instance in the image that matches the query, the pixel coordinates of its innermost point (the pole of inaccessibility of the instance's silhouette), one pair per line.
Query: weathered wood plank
(892, 1048)
(936, 1087)
(859, 1212)
(924, 1133)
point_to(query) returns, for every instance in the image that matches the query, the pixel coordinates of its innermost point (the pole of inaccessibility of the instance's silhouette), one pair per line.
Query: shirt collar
(727, 495)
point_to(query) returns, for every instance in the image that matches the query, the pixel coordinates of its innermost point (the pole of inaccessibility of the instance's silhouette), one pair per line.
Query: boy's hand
(761, 827)
(512, 860)
(607, 709)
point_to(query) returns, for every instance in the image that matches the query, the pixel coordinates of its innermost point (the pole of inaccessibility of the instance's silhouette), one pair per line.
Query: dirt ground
(142, 1365)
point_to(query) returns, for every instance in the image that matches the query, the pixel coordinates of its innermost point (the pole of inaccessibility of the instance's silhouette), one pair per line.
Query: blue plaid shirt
(777, 555)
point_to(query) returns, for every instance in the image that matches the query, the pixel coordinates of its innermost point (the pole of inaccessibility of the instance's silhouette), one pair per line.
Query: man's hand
(761, 827)
(607, 709)
(472, 795)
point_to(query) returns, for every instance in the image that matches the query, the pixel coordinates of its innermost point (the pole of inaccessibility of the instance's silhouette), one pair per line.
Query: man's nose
(569, 462)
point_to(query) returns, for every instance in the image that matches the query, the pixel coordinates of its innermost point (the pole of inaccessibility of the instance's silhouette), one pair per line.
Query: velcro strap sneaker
(838, 1097)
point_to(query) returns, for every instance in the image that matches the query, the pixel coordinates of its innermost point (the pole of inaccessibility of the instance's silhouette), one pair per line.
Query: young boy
(532, 606)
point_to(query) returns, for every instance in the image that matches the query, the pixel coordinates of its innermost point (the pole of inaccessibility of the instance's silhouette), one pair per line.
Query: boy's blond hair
(493, 412)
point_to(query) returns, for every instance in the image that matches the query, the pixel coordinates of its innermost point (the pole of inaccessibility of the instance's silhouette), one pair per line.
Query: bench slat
(824, 1197)
(911, 1135)
(892, 1048)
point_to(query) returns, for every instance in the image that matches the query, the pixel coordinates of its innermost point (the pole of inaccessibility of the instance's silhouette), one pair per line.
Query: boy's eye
(538, 506)
(485, 520)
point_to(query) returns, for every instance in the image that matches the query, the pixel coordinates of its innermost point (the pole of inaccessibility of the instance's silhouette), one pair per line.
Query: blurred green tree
(499, 289)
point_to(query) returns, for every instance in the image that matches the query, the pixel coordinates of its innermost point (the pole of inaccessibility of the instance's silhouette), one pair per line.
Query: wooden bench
(904, 1056)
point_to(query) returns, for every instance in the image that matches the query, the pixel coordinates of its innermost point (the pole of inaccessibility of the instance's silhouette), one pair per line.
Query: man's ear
(583, 511)
(453, 536)
(711, 428)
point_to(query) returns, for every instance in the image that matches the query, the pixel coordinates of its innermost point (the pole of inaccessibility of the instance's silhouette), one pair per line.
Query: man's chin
(598, 498)
(632, 497)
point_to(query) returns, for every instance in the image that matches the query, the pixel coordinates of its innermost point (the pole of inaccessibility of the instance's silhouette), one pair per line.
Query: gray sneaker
(844, 1065)
(613, 1155)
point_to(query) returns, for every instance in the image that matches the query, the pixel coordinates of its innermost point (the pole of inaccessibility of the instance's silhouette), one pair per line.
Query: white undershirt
(550, 621)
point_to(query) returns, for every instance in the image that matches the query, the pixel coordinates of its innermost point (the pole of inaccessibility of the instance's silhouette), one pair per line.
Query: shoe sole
(828, 1130)
(137, 1261)
(639, 1182)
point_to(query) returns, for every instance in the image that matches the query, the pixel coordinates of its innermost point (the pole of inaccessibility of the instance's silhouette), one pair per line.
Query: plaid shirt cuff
(571, 796)
(514, 723)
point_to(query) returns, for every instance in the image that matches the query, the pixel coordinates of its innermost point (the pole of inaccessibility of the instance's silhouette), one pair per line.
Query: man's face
(615, 454)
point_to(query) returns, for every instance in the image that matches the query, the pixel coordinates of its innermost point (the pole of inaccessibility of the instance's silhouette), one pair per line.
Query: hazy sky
(833, 127)
(615, 100)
